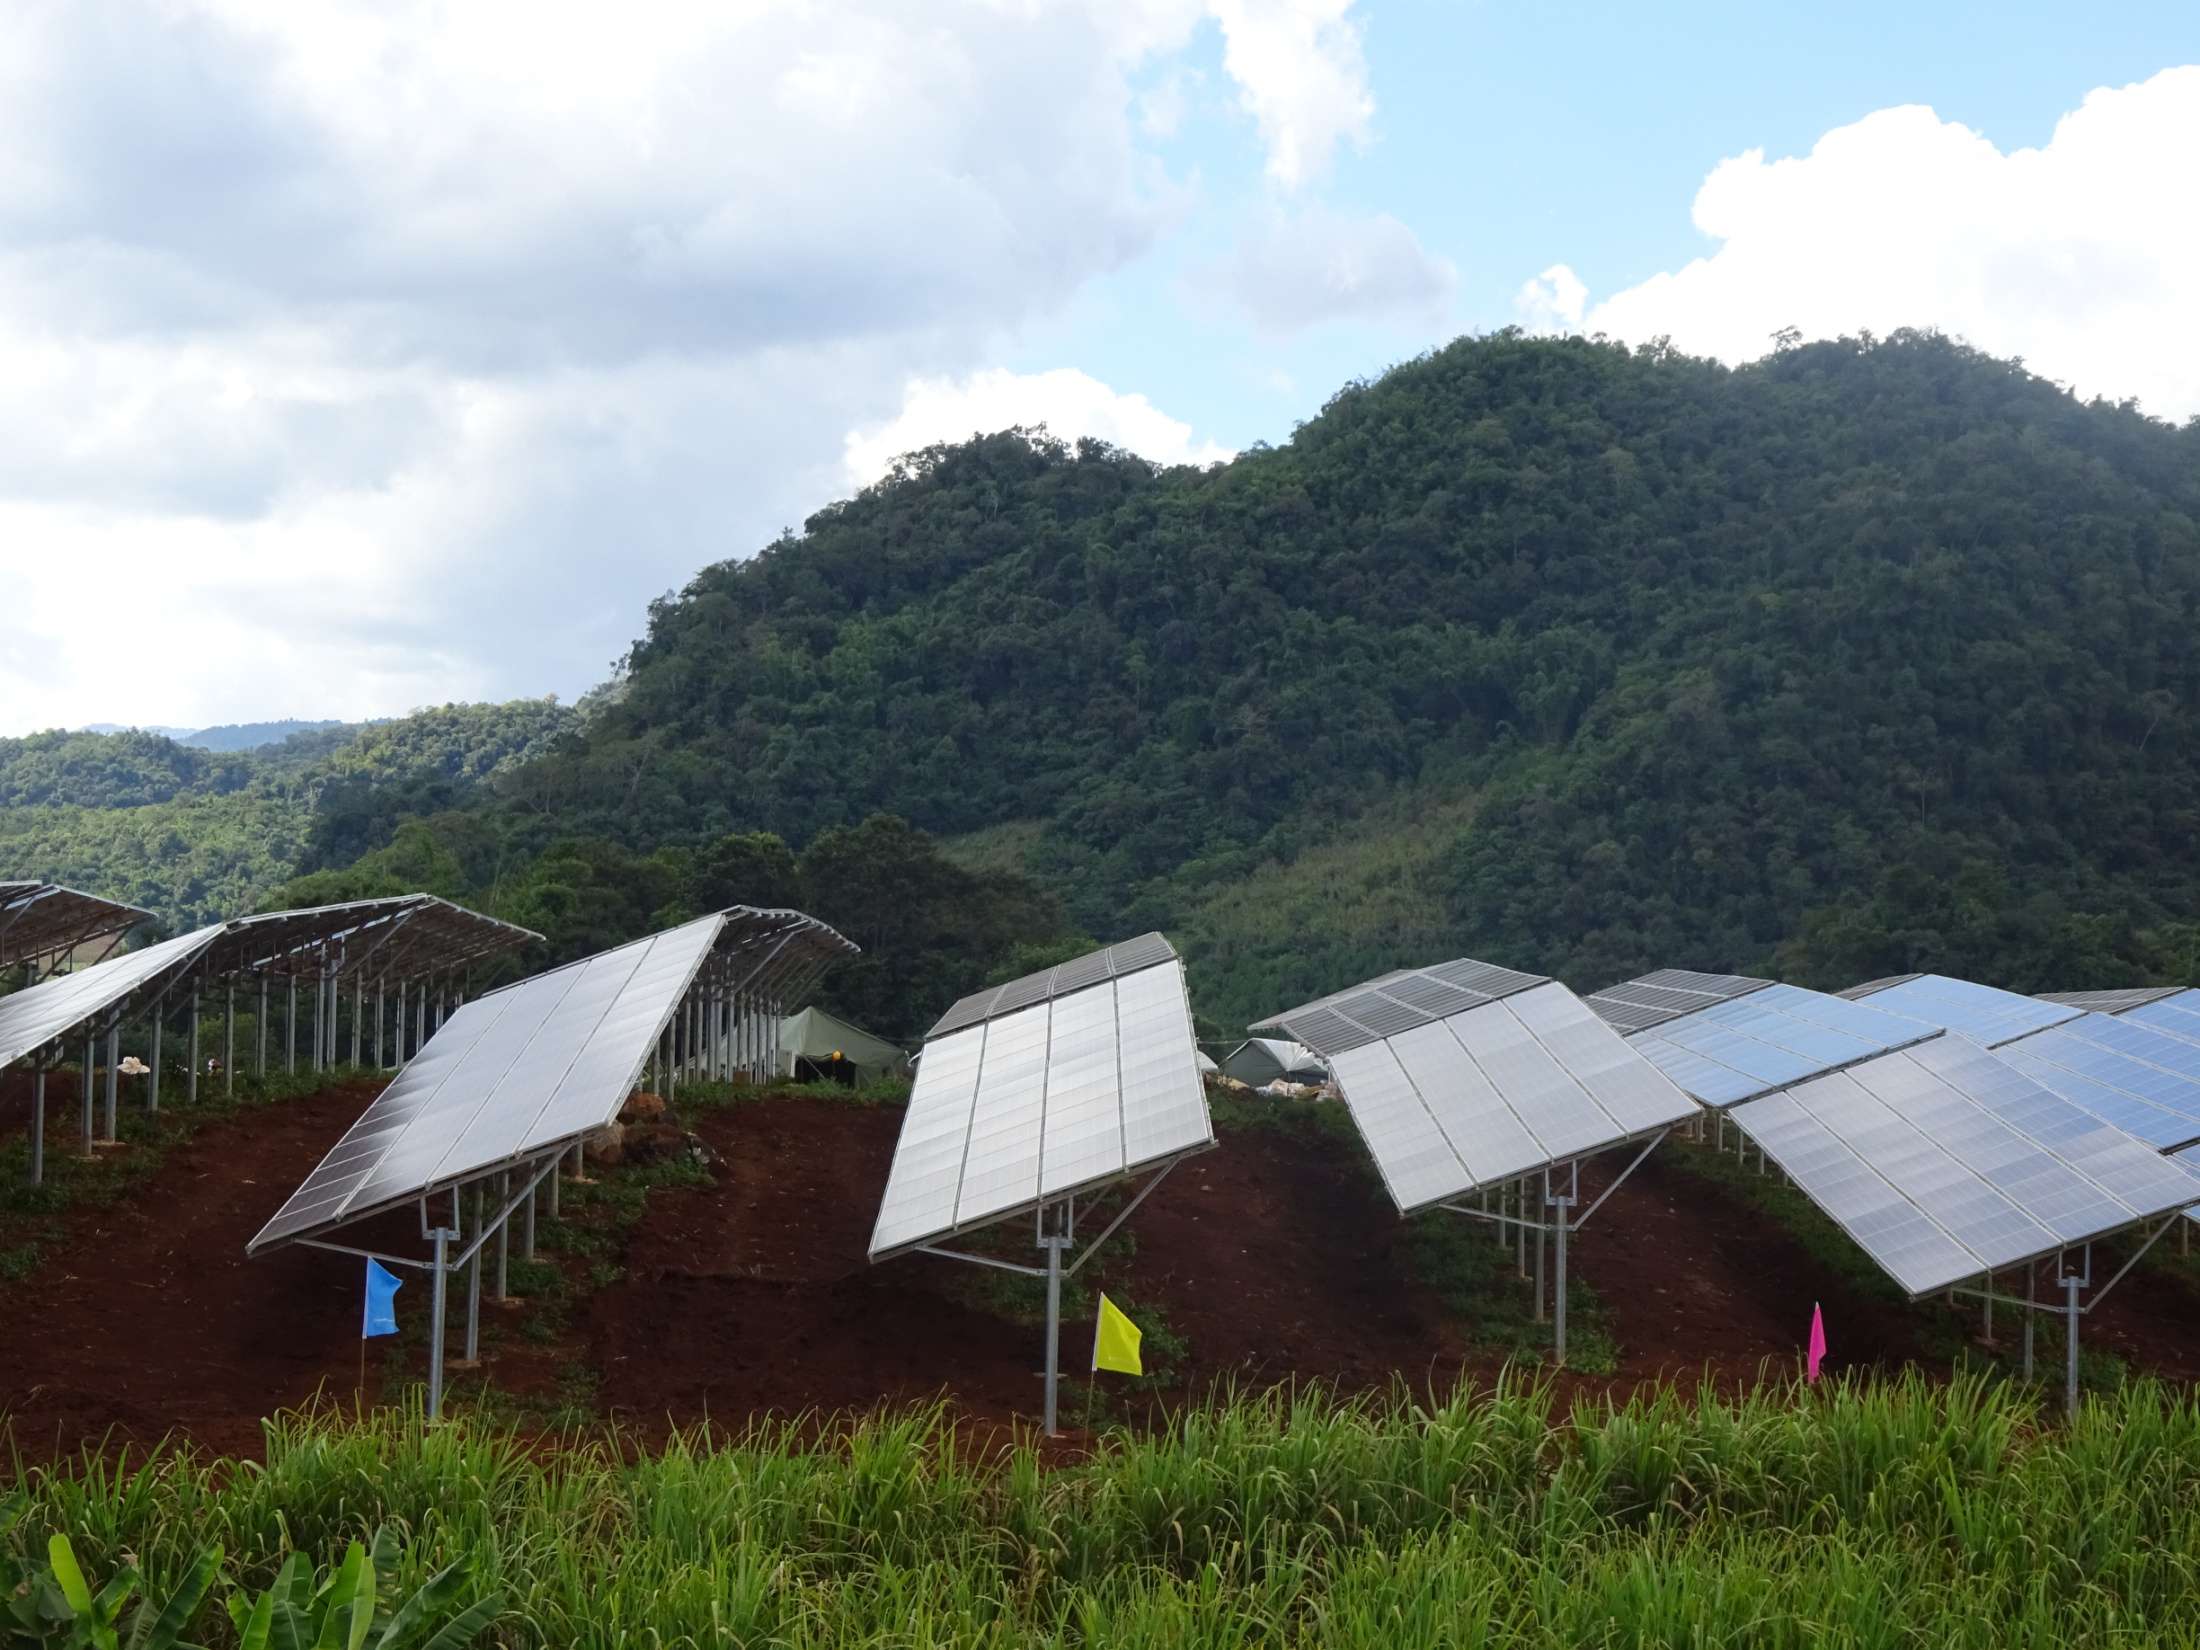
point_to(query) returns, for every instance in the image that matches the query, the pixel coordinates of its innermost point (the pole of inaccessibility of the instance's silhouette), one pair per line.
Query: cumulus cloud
(2082, 256)
(1552, 301)
(1302, 77)
(359, 353)
(1071, 404)
(1294, 269)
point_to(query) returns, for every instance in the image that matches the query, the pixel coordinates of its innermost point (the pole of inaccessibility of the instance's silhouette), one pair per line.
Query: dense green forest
(1873, 655)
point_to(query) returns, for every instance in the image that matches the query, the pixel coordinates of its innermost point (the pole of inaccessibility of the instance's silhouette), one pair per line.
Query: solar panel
(1126, 957)
(1397, 1001)
(1982, 1013)
(1491, 1092)
(1944, 1163)
(44, 919)
(2178, 1015)
(2110, 1002)
(527, 1070)
(1026, 1105)
(1749, 1044)
(31, 1018)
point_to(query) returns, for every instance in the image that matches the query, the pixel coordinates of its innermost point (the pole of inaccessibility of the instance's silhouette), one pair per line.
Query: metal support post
(2031, 1272)
(527, 1234)
(397, 1047)
(1558, 1298)
(1540, 1230)
(85, 1085)
(436, 1315)
(290, 1029)
(229, 1042)
(504, 1242)
(358, 1016)
(38, 1123)
(260, 1066)
(473, 1290)
(191, 1088)
(556, 1175)
(1054, 1221)
(152, 1080)
(1989, 1330)
(114, 1074)
(2070, 1343)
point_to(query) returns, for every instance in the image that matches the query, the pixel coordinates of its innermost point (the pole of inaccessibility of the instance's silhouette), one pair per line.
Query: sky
(356, 357)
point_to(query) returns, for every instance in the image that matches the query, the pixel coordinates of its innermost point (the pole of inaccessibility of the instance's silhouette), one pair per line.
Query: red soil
(1274, 1256)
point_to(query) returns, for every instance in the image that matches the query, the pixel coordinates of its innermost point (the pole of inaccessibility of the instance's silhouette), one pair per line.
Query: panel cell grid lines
(521, 1072)
(1034, 1103)
(1075, 975)
(1638, 1004)
(1396, 1002)
(2110, 1002)
(32, 1018)
(1495, 1091)
(1768, 1039)
(1983, 1013)
(1943, 1163)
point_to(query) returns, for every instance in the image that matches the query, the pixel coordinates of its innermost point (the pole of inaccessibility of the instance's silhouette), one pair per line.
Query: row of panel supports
(420, 1007)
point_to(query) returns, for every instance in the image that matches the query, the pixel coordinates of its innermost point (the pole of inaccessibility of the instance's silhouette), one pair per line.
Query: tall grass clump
(1905, 1512)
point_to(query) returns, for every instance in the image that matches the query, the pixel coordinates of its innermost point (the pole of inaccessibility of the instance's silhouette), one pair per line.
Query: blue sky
(357, 355)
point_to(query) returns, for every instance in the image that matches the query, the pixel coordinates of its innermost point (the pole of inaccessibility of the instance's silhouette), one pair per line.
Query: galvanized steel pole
(436, 1314)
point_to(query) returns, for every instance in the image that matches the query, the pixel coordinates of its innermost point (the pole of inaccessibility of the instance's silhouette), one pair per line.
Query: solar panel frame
(1109, 962)
(1057, 1098)
(1522, 1082)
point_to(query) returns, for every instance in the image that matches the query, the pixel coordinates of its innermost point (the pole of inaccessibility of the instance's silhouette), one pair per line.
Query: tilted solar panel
(1125, 957)
(2110, 1002)
(1031, 1104)
(2178, 1015)
(1500, 1089)
(33, 1017)
(1944, 1163)
(1983, 1013)
(1777, 1035)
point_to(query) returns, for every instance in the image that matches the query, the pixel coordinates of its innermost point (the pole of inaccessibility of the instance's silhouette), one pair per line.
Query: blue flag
(382, 1288)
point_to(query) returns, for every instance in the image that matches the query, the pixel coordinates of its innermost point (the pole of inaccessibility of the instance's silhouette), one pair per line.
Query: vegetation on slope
(1903, 1513)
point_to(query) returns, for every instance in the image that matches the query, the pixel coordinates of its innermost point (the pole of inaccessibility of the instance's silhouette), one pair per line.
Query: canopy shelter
(422, 944)
(813, 1039)
(1033, 1095)
(43, 923)
(515, 1081)
(1945, 1162)
(1468, 1080)
(1259, 1061)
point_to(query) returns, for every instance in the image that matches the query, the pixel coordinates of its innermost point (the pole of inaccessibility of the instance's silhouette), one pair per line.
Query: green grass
(1901, 1514)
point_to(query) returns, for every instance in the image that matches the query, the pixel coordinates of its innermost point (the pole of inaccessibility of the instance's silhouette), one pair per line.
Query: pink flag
(1817, 1342)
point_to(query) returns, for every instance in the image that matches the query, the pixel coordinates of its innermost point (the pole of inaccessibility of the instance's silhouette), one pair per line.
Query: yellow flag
(1115, 1341)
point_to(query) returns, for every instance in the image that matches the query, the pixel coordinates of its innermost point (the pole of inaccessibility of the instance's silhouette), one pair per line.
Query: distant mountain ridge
(229, 736)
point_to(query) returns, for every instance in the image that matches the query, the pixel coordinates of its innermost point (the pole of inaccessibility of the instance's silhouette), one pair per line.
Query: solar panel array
(1769, 1038)
(2145, 1081)
(1491, 1091)
(1668, 994)
(1398, 1001)
(32, 1018)
(1984, 1014)
(44, 919)
(2178, 1015)
(2111, 1002)
(1943, 1163)
(1110, 962)
(1081, 1085)
(517, 1074)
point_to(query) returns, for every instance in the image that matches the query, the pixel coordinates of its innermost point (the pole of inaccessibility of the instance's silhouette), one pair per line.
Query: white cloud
(359, 353)
(1069, 403)
(1552, 302)
(2082, 256)
(1295, 269)
(1302, 77)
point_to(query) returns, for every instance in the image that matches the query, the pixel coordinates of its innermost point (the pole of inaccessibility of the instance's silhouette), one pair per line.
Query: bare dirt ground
(1274, 1257)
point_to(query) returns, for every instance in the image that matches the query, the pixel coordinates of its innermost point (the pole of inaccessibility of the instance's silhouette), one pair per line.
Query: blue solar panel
(2178, 1015)
(1980, 1012)
(1770, 1038)
(2142, 1119)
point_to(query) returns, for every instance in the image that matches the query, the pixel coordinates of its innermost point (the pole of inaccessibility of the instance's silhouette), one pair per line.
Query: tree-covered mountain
(1878, 651)
(1869, 656)
(195, 834)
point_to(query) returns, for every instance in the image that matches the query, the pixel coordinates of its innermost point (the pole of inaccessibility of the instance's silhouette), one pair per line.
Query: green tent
(816, 1036)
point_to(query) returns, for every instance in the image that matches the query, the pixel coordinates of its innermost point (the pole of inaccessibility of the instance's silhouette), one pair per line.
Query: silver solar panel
(1030, 1104)
(2110, 1002)
(1770, 1038)
(1397, 1001)
(31, 1018)
(2143, 1080)
(1110, 962)
(1944, 1163)
(1501, 1089)
(524, 1071)
(2179, 1015)
(1983, 1013)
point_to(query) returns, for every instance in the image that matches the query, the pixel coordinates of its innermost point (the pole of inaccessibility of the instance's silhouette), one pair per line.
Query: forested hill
(1571, 657)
